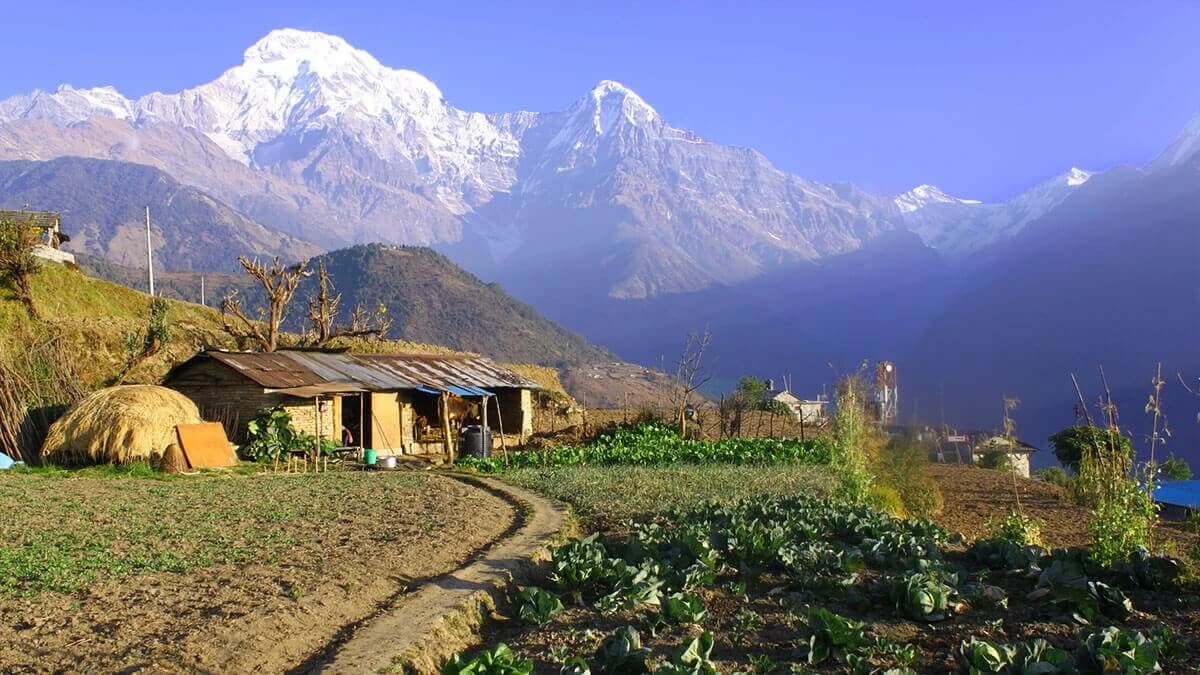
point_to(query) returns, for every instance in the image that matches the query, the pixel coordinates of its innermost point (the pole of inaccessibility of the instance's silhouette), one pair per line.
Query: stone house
(394, 403)
(1018, 453)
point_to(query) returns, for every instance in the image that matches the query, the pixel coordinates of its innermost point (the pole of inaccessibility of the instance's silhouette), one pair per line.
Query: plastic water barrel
(369, 457)
(475, 441)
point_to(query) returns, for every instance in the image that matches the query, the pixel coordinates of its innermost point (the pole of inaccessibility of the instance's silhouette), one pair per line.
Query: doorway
(356, 409)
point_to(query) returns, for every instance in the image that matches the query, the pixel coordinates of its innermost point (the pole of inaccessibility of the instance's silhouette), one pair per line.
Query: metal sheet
(292, 370)
(272, 371)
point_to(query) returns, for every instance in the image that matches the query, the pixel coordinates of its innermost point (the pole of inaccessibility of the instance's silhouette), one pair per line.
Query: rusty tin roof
(370, 372)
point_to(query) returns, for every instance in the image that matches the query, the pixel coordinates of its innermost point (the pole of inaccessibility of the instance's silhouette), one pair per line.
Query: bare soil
(975, 496)
(372, 537)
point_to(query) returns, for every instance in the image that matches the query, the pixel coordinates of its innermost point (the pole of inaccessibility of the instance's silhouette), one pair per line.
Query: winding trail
(441, 616)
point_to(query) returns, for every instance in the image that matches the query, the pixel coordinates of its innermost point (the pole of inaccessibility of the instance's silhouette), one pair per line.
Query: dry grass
(118, 425)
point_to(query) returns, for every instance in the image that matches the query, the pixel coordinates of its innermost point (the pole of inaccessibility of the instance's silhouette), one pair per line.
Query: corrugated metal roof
(371, 372)
(445, 371)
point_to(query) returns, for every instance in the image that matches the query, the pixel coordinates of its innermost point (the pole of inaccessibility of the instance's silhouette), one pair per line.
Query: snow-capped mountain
(958, 225)
(313, 136)
(924, 195)
(1184, 148)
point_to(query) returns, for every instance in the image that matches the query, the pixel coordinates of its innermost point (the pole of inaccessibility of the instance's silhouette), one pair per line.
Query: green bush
(903, 467)
(1055, 476)
(885, 498)
(996, 459)
(1072, 444)
(1175, 468)
(1018, 528)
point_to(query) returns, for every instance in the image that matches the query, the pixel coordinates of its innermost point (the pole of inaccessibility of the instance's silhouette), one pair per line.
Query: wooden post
(500, 419)
(484, 424)
(446, 426)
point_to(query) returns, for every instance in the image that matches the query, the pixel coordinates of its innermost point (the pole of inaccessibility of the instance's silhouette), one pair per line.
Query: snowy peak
(926, 195)
(610, 104)
(67, 105)
(1076, 177)
(1186, 146)
(289, 55)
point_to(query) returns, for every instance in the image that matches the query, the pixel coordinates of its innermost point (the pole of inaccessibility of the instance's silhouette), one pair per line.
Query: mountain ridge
(337, 148)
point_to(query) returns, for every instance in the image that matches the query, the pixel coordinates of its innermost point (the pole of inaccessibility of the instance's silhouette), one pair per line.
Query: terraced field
(219, 573)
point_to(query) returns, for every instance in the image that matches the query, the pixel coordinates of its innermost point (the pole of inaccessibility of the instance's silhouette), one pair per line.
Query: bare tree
(689, 376)
(17, 262)
(279, 284)
(323, 311)
(323, 308)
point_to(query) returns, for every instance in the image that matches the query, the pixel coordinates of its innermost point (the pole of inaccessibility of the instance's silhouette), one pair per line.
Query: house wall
(225, 396)
(387, 429)
(515, 408)
(1019, 461)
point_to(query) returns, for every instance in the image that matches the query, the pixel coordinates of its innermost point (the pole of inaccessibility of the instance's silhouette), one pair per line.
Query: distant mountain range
(632, 231)
(315, 138)
(103, 201)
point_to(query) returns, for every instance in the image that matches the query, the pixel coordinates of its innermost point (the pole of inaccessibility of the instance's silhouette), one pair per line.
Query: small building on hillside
(397, 403)
(52, 236)
(809, 412)
(1018, 452)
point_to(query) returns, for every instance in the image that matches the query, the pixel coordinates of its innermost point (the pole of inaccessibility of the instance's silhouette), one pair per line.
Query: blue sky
(983, 99)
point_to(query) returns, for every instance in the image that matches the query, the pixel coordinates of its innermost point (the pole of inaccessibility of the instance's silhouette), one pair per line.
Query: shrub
(852, 442)
(885, 498)
(1175, 468)
(1018, 528)
(1072, 444)
(1123, 521)
(996, 459)
(1055, 476)
(904, 468)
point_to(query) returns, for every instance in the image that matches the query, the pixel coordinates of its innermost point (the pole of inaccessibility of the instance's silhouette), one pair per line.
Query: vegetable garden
(656, 445)
(806, 585)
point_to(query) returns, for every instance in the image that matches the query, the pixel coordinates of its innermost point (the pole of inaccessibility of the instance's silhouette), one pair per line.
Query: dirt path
(441, 616)
(338, 567)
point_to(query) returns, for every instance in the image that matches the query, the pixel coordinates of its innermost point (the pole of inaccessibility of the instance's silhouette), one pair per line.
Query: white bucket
(387, 462)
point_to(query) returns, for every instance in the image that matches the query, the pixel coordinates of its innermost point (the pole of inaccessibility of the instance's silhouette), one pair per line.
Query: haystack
(118, 425)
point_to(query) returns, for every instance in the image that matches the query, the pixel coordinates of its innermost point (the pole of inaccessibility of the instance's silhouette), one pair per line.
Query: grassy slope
(91, 318)
(429, 299)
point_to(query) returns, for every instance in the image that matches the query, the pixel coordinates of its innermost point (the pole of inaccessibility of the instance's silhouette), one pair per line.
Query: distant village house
(52, 239)
(809, 412)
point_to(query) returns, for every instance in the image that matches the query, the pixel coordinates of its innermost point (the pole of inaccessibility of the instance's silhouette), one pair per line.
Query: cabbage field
(804, 584)
(657, 445)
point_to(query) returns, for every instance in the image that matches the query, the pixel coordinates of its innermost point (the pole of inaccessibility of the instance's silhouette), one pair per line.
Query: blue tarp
(1185, 493)
(5, 461)
(460, 390)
